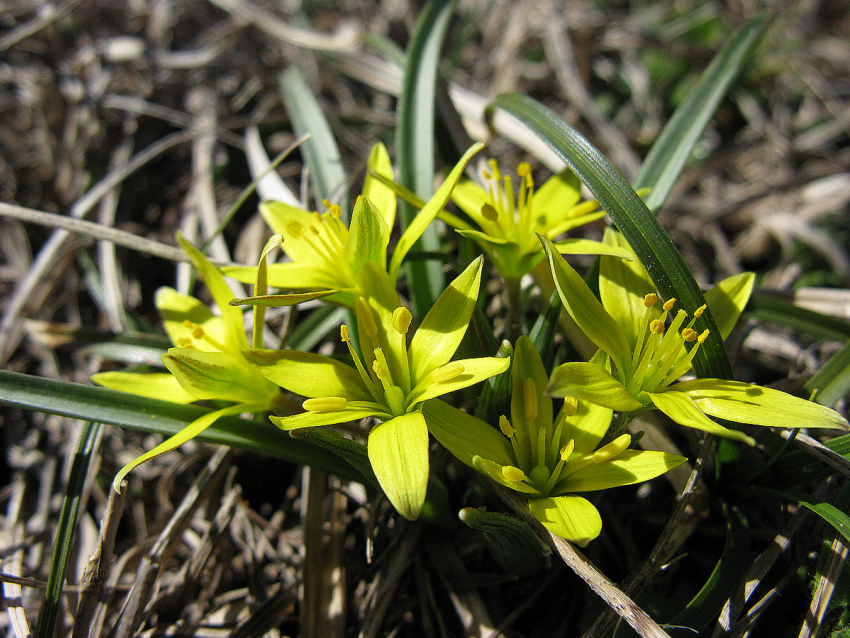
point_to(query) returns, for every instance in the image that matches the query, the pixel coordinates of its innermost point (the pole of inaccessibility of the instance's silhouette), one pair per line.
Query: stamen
(523, 169)
(698, 312)
(401, 320)
(488, 212)
(529, 396)
(447, 372)
(650, 300)
(325, 404)
(656, 327)
(701, 339)
(613, 449)
(343, 333)
(567, 450)
(570, 406)
(689, 334)
(512, 474)
(668, 305)
(506, 427)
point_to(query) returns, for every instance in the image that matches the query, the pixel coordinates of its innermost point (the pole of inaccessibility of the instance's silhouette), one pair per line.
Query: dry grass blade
(818, 450)
(13, 543)
(825, 588)
(47, 17)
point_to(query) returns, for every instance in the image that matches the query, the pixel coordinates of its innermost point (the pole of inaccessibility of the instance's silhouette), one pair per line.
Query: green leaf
(671, 150)
(707, 604)
(829, 513)
(772, 308)
(310, 375)
(415, 140)
(634, 220)
(571, 517)
(398, 451)
(511, 542)
(352, 452)
(591, 382)
(320, 151)
(587, 311)
(65, 530)
(832, 381)
(442, 330)
(745, 403)
(157, 417)
(682, 410)
(466, 436)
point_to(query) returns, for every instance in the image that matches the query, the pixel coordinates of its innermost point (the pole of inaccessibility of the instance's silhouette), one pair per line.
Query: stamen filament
(370, 384)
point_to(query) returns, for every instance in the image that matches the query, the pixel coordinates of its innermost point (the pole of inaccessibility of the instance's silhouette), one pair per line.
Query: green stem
(513, 294)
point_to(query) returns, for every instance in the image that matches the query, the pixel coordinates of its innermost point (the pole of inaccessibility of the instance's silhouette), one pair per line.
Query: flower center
(657, 360)
(508, 216)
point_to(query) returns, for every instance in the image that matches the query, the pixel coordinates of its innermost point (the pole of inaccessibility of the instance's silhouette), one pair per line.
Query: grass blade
(320, 151)
(65, 530)
(415, 142)
(828, 512)
(150, 415)
(832, 381)
(771, 308)
(671, 150)
(634, 220)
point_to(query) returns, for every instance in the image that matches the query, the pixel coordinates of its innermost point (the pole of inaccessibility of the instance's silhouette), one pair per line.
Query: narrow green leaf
(352, 452)
(65, 530)
(320, 151)
(634, 220)
(511, 542)
(727, 573)
(832, 381)
(671, 150)
(415, 140)
(829, 513)
(312, 329)
(798, 466)
(160, 417)
(772, 308)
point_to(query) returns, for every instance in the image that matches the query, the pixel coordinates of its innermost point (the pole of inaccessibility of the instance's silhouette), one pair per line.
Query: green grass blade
(415, 142)
(798, 466)
(316, 326)
(637, 223)
(727, 573)
(828, 512)
(150, 415)
(320, 151)
(832, 381)
(671, 150)
(770, 308)
(65, 531)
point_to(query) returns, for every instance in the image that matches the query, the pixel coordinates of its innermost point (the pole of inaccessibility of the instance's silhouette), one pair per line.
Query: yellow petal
(571, 517)
(154, 385)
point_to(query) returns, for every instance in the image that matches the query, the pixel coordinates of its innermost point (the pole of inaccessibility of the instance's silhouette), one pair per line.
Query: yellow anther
(335, 211)
(191, 325)
(343, 333)
(365, 318)
(703, 336)
(650, 300)
(488, 212)
(325, 404)
(401, 320)
(380, 371)
(184, 342)
(668, 305)
(198, 332)
(506, 427)
(447, 372)
(698, 312)
(567, 450)
(570, 406)
(529, 396)
(315, 230)
(689, 334)
(294, 229)
(656, 326)
(523, 169)
(318, 218)
(613, 449)
(512, 474)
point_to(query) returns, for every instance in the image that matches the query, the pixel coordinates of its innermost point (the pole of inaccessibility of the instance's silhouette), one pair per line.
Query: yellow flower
(392, 379)
(547, 459)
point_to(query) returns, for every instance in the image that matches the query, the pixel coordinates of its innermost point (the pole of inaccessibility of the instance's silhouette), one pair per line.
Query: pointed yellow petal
(293, 224)
(398, 451)
(587, 426)
(310, 375)
(470, 197)
(622, 288)
(466, 436)
(315, 419)
(586, 310)
(382, 196)
(728, 299)
(216, 375)
(591, 382)
(745, 403)
(442, 329)
(176, 308)
(571, 517)
(289, 275)
(629, 467)
(473, 371)
(154, 385)
(681, 409)
(221, 293)
(381, 299)
(368, 236)
(429, 211)
(554, 199)
(189, 432)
